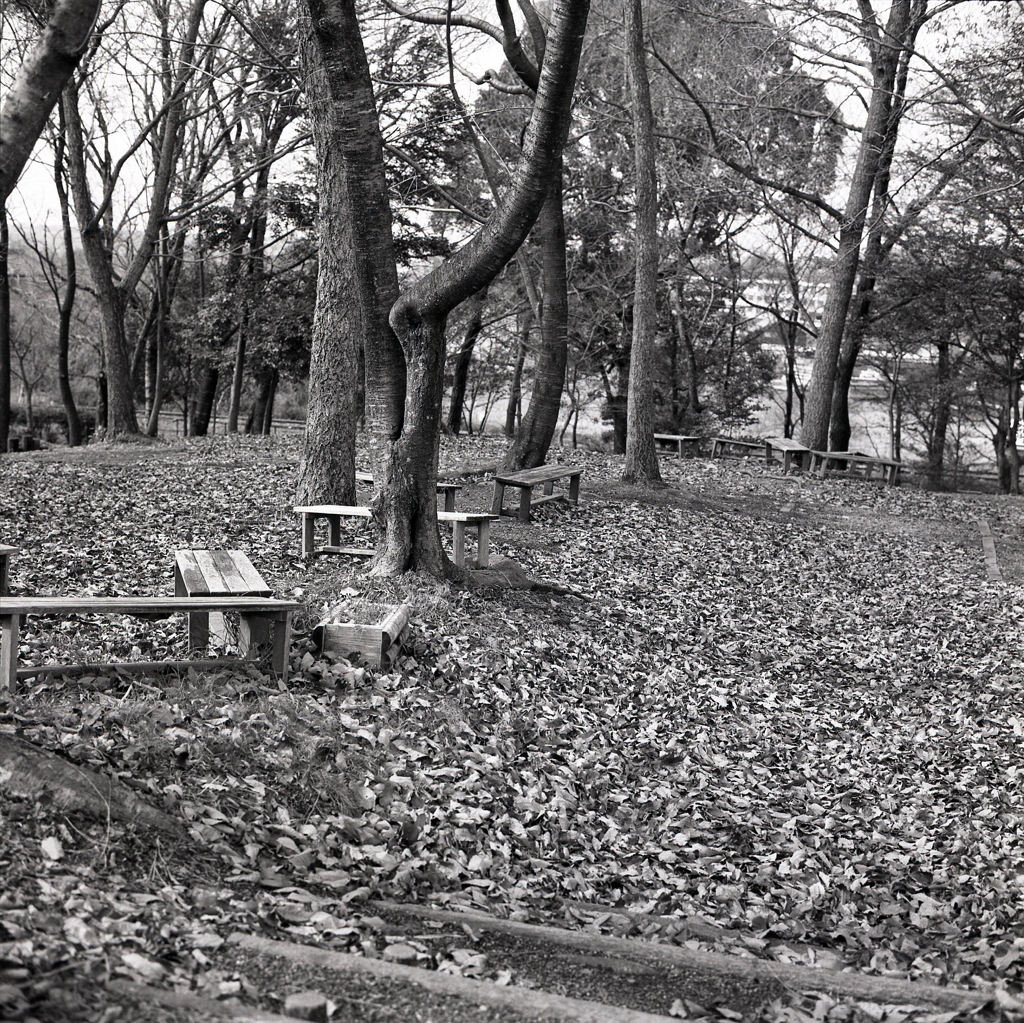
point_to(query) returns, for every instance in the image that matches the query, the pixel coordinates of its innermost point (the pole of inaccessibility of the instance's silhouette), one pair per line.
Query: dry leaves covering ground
(791, 707)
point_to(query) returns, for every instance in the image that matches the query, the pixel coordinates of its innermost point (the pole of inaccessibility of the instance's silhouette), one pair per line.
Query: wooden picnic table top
(367, 477)
(219, 573)
(7, 549)
(541, 474)
(356, 511)
(678, 436)
(857, 456)
(739, 443)
(786, 444)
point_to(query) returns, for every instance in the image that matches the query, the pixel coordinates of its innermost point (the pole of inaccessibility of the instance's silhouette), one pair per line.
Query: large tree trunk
(533, 438)
(358, 273)
(885, 60)
(205, 399)
(405, 502)
(936, 452)
(641, 463)
(460, 371)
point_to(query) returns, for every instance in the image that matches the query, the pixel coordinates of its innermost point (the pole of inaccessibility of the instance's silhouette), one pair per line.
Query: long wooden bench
(788, 452)
(728, 447)
(526, 479)
(449, 490)
(334, 513)
(682, 444)
(855, 463)
(253, 611)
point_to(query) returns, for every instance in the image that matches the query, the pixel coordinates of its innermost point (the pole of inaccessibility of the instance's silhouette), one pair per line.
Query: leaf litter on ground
(789, 707)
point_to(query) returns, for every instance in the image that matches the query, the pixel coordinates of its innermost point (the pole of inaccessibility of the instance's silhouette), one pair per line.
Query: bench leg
(459, 543)
(483, 544)
(307, 533)
(499, 498)
(3, 574)
(262, 631)
(549, 488)
(199, 630)
(334, 530)
(9, 630)
(574, 489)
(525, 497)
(449, 500)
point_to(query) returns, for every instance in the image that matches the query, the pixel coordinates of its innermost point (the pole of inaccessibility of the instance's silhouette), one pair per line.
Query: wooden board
(378, 643)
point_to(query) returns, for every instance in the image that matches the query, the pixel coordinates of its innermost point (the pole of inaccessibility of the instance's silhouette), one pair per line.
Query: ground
(786, 706)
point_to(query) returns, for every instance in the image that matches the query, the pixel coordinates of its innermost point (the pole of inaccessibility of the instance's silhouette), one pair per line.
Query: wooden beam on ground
(862, 986)
(989, 546)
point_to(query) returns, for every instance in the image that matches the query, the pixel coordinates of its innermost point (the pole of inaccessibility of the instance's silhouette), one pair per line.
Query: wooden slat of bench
(189, 573)
(352, 511)
(142, 605)
(541, 474)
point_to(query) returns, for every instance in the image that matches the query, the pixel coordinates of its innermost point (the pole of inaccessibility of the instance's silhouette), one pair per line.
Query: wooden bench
(787, 451)
(682, 444)
(726, 447)
(215, 574)
(254, 612)
(6, 552)
(334, 513)
(527, 479)
(855, 463)
(448, 489)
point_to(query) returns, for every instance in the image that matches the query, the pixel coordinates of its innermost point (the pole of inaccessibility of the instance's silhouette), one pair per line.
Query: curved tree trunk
(67, 304)
(641, 463)
(533, 438)
(203, 410)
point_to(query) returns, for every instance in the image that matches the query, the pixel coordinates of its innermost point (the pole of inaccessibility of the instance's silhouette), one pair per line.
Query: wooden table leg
(483, 543)
(525, 497)
(574, 488)
(308, 522)
(9, 630)
(4, 561)
(459, 543)
(274, 630)
(334, 529)
(449, 500)
(499, 498)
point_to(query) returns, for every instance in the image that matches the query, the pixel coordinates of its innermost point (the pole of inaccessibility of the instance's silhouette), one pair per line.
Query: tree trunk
(460, 371)
(67, 305)
(885, 61)
(204, 402)
(936, 452)
(533, 437)
(39, 82)
(515, 387)
(641, 463)
(5, 333)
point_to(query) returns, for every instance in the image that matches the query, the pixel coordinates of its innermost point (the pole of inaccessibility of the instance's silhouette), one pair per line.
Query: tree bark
(641, 462)
(535, 432)
(28, 772)
(67, 304)
(39, 82)
(460, 371)
(5, 332)
(203, 410)
(885, 55)
(515, 387)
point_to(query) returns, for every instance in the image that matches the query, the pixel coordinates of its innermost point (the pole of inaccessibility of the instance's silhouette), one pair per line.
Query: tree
(885, 46)
(641, 464)
(23, 116)
(405, 371)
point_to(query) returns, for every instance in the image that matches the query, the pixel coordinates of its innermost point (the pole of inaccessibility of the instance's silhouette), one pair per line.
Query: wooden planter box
(377, 642)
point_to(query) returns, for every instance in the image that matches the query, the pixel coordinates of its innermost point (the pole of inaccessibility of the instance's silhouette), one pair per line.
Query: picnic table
(527, 479)
(787, 451)
(334, 513)
(856, 463)
(682, 443)
(728, 447)
(448, 489)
